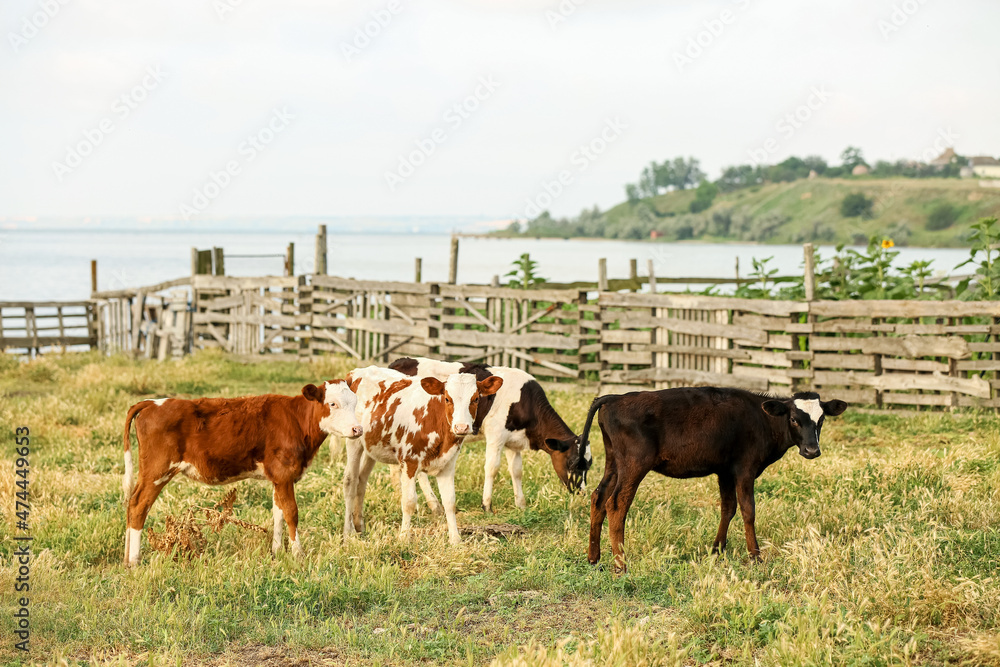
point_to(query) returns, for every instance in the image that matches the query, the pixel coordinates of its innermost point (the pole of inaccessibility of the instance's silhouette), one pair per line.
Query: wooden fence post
(418, 269)
(633, 273)
(320, 267)
(220, 264)
(652, 276)
(737, 271)
(194, 261)
(290, 260)
(93, 276)
(453, 261)
(602, 274)
(809, 279)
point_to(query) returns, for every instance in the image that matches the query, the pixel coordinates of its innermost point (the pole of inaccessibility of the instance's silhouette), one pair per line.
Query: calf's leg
(446, 485)
(618, 506)
(599, 499)
(727, 508)
(355, 450)
(408, 493)
(515, 467)
(146, 492)
(432, 500)
(744, 493)
(284, 494)
(364, 471)
(490, 467)
(598, 512)
(279, 520)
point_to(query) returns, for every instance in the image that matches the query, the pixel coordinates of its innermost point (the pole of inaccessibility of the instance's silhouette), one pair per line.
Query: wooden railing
(34, 326)
(883, 353)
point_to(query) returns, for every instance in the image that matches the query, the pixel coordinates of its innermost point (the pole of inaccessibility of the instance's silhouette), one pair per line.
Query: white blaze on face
(343, 410)
(461, 387)
(810, 407)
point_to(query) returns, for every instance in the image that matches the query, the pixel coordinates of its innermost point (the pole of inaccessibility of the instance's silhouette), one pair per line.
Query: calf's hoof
(437, 510)
(521, 503)
(454, 540)
(488, 508)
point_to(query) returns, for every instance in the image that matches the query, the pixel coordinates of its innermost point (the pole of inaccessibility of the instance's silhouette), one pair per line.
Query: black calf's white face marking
(805, 418)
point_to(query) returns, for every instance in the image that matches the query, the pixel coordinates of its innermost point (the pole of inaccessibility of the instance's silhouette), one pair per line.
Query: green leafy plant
(761, 274)
(523, 274)
(985, 256)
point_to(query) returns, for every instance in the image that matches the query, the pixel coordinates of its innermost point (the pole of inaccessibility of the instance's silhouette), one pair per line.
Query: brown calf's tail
(583, 463)
(128, 481)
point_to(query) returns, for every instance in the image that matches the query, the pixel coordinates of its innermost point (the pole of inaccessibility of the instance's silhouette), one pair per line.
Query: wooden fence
(31, 327)
(882, 353)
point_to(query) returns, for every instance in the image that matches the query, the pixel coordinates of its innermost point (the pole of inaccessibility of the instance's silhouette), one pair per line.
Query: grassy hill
(795, 212)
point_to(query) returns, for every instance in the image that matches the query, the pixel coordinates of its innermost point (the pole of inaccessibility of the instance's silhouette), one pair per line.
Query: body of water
(55, 264)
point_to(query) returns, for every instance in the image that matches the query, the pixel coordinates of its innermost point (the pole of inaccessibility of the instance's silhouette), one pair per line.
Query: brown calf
(695, 432)
(220, 441)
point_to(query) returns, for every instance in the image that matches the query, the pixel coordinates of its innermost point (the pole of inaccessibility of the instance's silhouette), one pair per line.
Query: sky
(213, 108)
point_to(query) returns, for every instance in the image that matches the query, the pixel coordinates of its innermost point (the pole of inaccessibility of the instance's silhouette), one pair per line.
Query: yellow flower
(887, 243)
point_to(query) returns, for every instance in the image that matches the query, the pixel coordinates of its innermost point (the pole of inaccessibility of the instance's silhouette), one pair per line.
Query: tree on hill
(851, 158)
(856, 205)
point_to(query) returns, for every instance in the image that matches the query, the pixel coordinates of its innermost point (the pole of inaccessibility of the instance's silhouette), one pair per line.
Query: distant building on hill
(655, 233)
(945, 158)
(985, 166)
(859, 170)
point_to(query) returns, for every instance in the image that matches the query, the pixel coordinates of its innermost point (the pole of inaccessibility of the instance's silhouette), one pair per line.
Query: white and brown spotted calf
(224, 440)
(518, 418)
(417, 423)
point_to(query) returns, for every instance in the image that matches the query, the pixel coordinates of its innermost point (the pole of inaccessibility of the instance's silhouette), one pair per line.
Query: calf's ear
(432, 386)
(353, 383)
(558, 445)
(314, 393)
(775, 408)
(490, 385)
(833, 408)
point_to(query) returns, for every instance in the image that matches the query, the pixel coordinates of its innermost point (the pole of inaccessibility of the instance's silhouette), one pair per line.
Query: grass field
(886, 550)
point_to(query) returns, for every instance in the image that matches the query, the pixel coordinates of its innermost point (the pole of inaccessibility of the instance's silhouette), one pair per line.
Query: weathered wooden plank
(701, 302)
(897, 398)
(974, 386)
(852, 396)
(834, 343)
(485, 291)
(952, 347)
(626, 357)
(694, 327)
(979, 365)
(523, 341)
(770, 374)
(922, 365)
(686, 376)
(857, 362)
(882, 309)
(715, 352)
(252, 319)
(614, 336)
(767, 358)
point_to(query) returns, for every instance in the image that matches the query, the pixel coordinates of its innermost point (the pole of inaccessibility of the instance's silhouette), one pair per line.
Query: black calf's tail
(583, 462)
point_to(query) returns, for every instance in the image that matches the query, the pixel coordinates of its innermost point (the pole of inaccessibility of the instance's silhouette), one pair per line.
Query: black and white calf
(520, 418)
